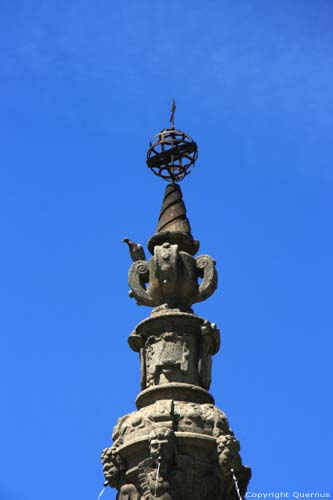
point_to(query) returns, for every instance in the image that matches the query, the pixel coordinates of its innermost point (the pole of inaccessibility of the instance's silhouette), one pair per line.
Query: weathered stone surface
(173, 225)
(175, 347)
(177, 450)
(174, 390)
(167, 359)
(171, 277)
(177, 445)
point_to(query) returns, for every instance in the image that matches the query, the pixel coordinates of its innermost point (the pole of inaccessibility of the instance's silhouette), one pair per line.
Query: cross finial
(172, 117)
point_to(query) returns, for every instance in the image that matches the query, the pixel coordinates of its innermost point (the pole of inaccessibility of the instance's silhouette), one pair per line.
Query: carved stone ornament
(167, 358)
(180, 355)
(177, 445)
(188, 452)
(171, 277)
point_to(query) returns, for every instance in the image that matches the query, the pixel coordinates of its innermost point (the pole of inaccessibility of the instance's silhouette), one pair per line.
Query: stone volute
(177, 445)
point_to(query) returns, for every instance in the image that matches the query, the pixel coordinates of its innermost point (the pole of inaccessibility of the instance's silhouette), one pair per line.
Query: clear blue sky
(83, 87)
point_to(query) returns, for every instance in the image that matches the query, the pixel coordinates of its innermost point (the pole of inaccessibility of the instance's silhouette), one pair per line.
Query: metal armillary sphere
(172, 153)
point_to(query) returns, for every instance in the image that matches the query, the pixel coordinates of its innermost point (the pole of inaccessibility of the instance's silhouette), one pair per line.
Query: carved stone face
(159, 449)
(113, 466)
(190, 418)
(112, 474)
(162, 445)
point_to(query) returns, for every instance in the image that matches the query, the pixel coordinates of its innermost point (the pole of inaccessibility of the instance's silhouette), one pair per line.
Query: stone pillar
(177, 445)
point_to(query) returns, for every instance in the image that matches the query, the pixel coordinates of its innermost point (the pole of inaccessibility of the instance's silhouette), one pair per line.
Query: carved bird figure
(135, 249)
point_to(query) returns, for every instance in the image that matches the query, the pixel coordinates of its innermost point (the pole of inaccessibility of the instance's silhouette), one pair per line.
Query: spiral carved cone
(173, 225)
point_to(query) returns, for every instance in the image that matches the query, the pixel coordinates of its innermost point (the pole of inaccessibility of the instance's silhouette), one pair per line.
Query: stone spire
(177, 445)
(173, 225)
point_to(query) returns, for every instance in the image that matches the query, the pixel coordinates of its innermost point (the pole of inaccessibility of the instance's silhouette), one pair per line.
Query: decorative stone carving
(141, 423)
(138, 276)
(210, 336)
(177, 445)
(167, 467)
(114, 469)
(167, 358)
(171, 277)
(128, 492)
(156, 472)
(230, 463)
(162, 445)
(210, 342)
(175, 347)
(181, 355)
(228, 452)
(200, 418)
(180, 416)
(206, 270)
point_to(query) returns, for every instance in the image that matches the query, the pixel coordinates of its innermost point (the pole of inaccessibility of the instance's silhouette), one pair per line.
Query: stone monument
(177, 445)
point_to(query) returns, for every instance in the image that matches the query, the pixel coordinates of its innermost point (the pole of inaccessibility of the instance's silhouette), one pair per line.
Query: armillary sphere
(172, 153)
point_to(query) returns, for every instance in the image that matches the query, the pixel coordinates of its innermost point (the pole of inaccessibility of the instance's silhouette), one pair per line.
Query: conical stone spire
(173, 212)
(177, 445)
(173, 225)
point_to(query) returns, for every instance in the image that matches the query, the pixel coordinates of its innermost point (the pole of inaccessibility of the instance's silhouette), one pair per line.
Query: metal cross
(172, 117)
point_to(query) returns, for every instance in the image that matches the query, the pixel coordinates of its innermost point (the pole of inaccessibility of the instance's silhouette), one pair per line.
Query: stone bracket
(206, 270)
(137, 277)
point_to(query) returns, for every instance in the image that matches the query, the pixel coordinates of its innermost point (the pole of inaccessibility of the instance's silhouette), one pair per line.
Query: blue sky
(83, 87)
